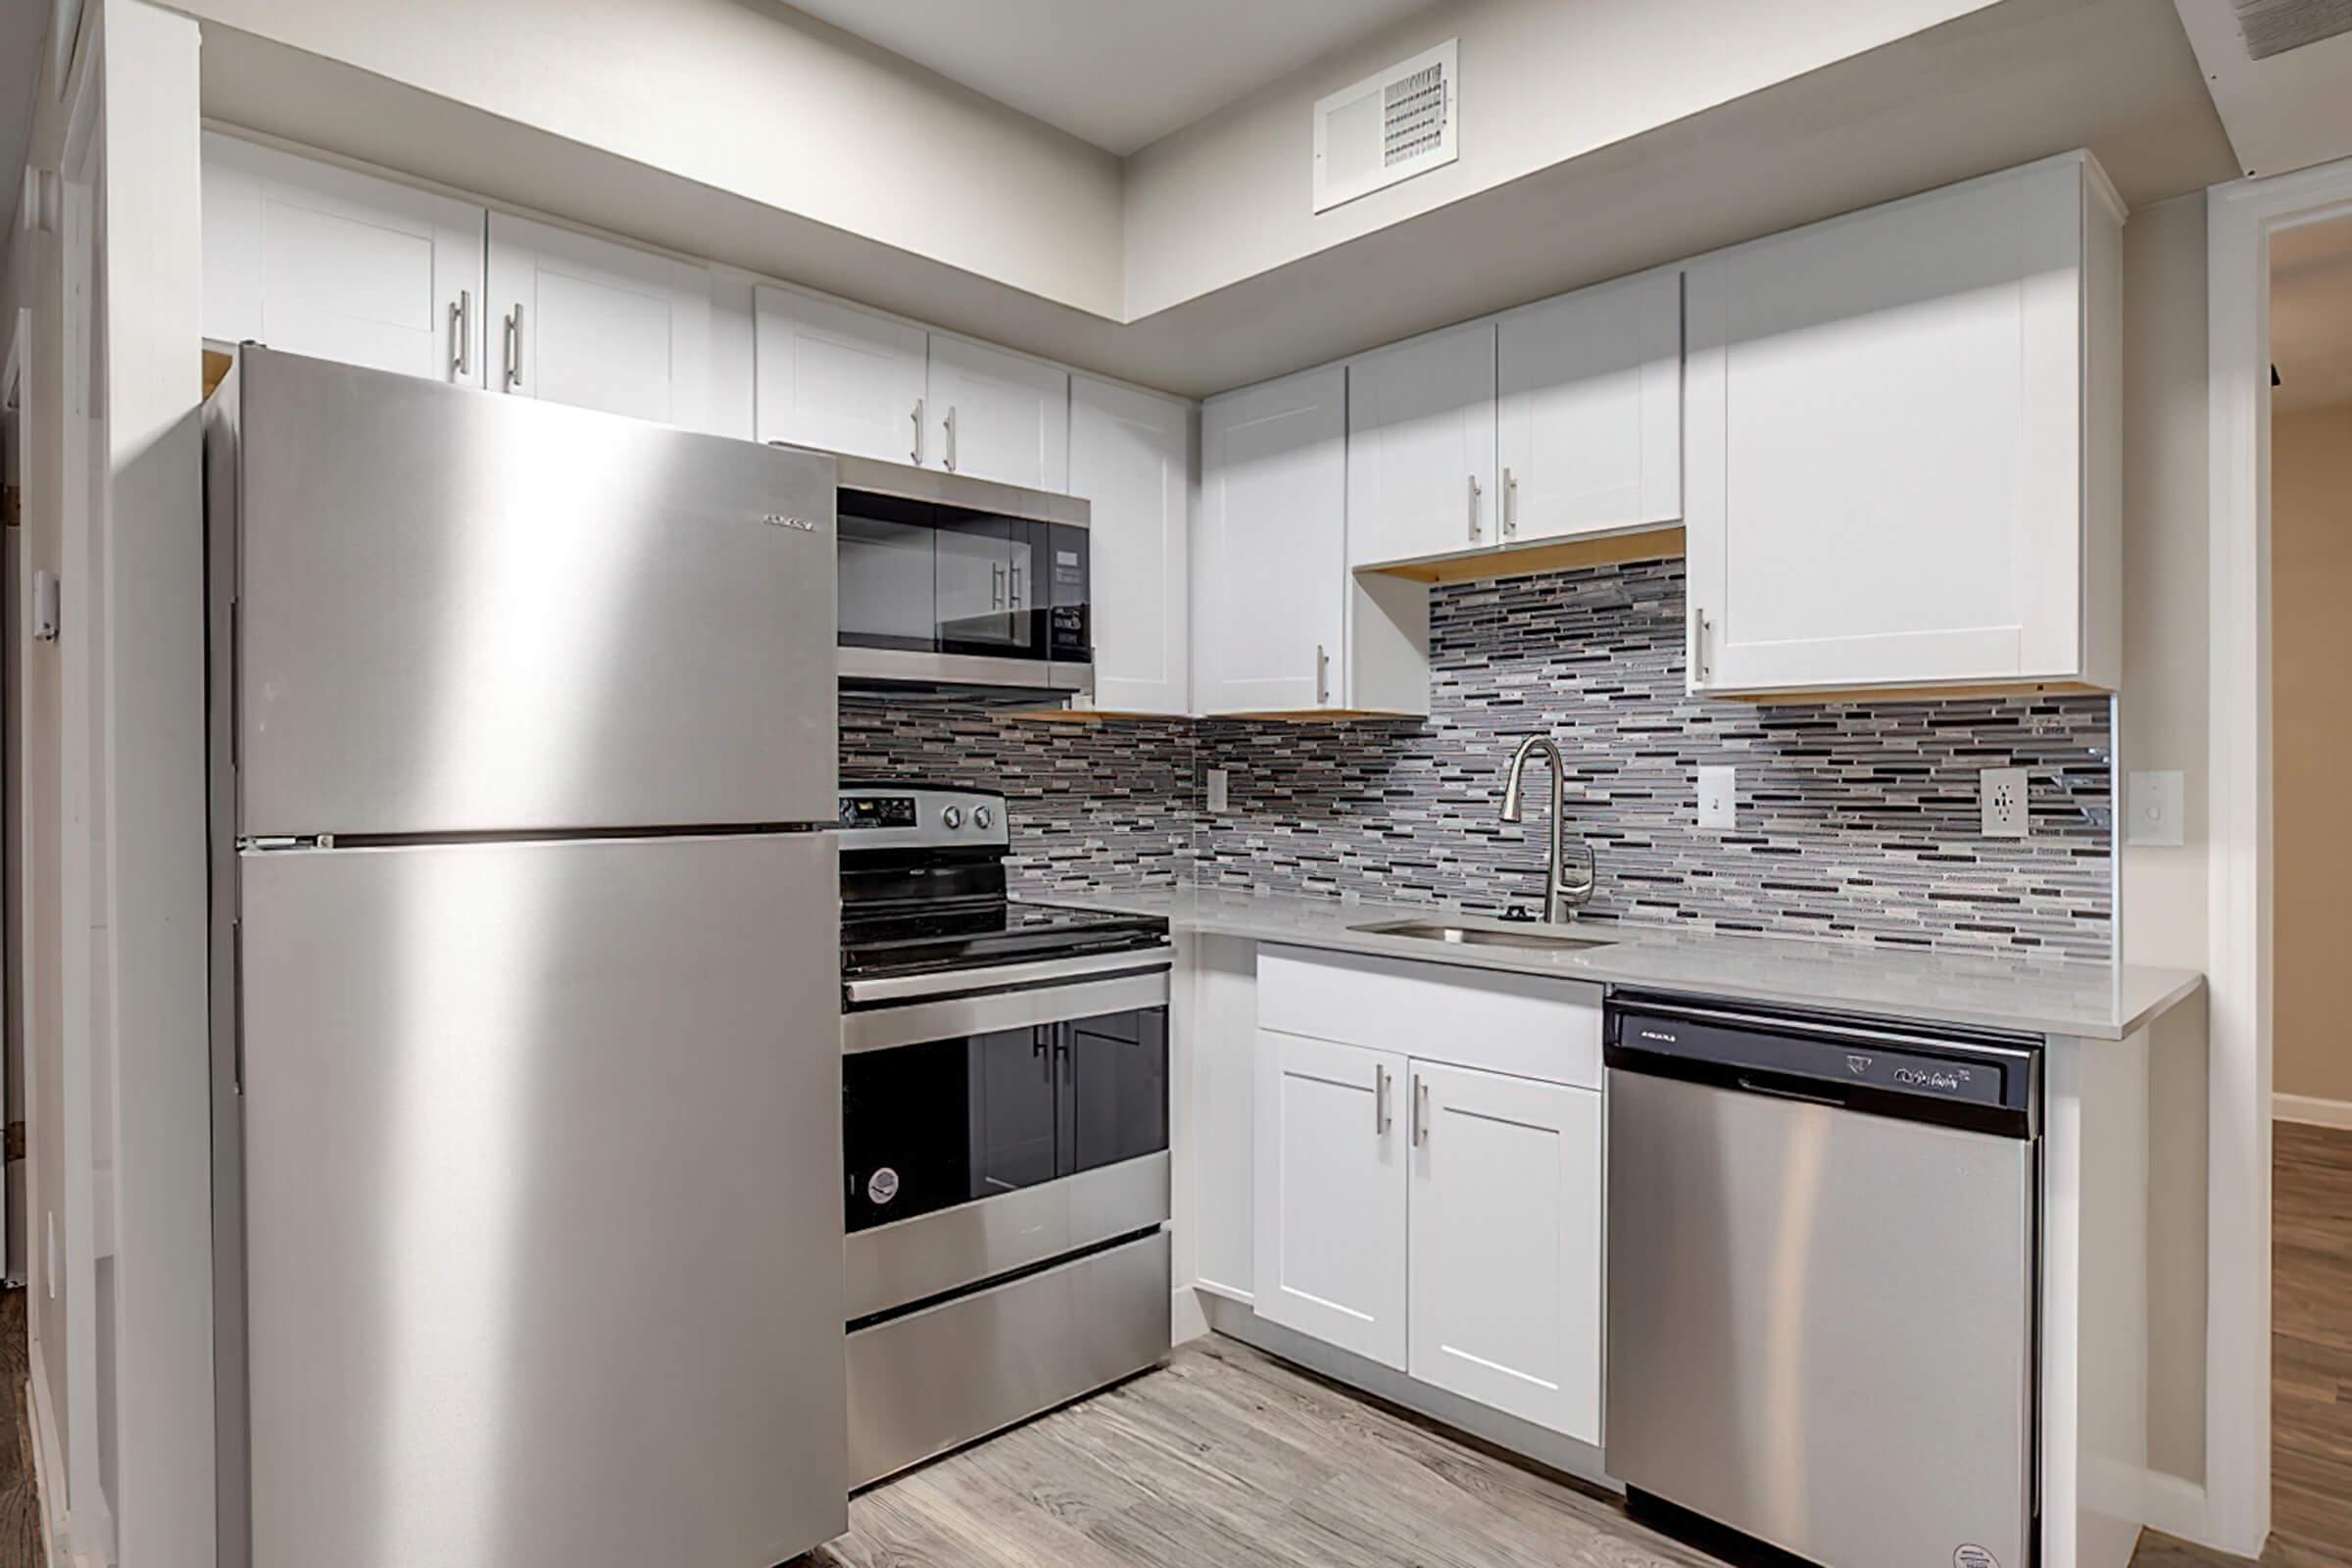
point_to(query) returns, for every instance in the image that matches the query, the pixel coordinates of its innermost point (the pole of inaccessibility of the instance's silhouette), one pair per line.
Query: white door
(1331, 1192)
(999, 416)
(1270, 599)
(1131, 457)
(313, 259)
(838, 378)
(1507, 1244)
(1421, 447)
(1883, 425)
(600, 325)
(1590, 420)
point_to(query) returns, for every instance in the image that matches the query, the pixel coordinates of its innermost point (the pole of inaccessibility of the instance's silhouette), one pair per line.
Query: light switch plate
(1719, 797)
(2001, 793)
(1217, 793)
(2155, 806)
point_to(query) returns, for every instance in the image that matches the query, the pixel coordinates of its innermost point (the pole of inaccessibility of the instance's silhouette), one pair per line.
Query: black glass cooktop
(963, 935)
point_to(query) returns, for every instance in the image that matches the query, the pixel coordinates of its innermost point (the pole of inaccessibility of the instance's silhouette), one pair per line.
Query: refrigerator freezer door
(543, 1218)
(470, 614)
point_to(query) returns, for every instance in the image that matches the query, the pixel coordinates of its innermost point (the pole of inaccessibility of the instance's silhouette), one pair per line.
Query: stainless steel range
(1005, 1117)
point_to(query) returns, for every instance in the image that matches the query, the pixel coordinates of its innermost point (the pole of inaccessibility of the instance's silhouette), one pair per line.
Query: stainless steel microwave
(953, 582)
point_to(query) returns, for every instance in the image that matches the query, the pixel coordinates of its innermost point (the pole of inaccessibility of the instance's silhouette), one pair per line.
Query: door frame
(2240, 219)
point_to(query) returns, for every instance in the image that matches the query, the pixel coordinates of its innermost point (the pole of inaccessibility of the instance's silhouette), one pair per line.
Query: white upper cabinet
(1506, 1243)
(1590, 414)
(1330, 1194)
(1131, 457)
(1270, 596)
(1000, 416)
(314, 259)
(587, 321)
(840, 379)
(1902, 444)
(1421, 447)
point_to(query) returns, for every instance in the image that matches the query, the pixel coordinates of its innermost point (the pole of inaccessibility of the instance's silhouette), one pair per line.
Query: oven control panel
(914, 816)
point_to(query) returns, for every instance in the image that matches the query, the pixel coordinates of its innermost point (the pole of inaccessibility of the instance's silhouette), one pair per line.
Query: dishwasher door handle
(1773, 1092)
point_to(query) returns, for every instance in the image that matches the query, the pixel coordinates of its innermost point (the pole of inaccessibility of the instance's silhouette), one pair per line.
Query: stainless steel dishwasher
(1822, 1242)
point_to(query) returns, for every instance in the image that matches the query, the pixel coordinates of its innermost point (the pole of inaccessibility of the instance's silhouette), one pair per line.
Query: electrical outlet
(1719, 797)
(1217, 793)
(2001, 792)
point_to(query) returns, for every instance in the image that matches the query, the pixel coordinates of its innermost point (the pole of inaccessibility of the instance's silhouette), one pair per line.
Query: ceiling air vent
(1392, 125)
(2273, 26)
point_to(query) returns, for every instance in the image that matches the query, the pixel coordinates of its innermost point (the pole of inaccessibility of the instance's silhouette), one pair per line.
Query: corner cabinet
(1131, 457)
(1903, 440)
(1279, 624)
(1429, 1176)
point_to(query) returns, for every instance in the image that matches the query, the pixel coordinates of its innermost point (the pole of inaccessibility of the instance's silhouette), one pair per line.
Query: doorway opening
(2310, 284)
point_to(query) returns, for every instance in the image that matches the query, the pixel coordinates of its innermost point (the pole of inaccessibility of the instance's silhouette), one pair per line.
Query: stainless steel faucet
(1564, 890)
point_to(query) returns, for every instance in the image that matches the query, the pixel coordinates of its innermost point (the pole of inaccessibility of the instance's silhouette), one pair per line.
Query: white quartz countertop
(2092, 1001)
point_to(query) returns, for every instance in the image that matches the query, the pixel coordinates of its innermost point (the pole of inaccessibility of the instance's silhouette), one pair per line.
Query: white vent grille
(2275, 26)
(1392, 125)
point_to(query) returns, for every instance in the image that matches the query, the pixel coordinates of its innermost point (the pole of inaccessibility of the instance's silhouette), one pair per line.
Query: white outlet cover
(2001, 793)
(1217, 789)
(1719, 797)
(2155, 806)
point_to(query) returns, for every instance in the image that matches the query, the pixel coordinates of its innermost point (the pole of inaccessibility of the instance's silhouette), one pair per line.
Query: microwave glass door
(991, 599)
(888, 568)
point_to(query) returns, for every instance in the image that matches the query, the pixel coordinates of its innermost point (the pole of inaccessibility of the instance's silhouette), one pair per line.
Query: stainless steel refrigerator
(527, 1059)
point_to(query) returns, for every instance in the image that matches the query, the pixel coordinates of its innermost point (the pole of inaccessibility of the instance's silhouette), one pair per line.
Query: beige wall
(2311, 687)
(755, 100)
(1231, 195)
(2161, 724)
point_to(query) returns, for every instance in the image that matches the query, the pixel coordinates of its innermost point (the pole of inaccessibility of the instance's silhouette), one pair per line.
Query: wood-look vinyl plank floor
(1225, 1455)
(19, 1507)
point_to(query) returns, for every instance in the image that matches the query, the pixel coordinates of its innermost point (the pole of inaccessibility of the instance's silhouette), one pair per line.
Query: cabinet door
(834, 376)
(1884, 423)
(1590, 421)
(1421, 447)
(600, 325)
(1270, 609)
(1507, 1244)
(1131, 457)
(317, 260)
(1331, 1192)
(998, 415)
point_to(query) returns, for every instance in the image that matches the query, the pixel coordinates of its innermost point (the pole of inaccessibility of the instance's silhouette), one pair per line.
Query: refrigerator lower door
(459, 614)
(542, 1210)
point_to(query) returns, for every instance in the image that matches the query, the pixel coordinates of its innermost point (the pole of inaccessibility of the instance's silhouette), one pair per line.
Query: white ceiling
(1120, 74)
(2311, 316)
(21, 31)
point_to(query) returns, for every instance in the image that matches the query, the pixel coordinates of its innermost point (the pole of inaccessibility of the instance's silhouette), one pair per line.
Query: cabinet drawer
(1524, 1025)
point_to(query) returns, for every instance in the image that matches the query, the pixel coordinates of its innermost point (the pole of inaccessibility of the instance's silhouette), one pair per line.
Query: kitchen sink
(1482, 936)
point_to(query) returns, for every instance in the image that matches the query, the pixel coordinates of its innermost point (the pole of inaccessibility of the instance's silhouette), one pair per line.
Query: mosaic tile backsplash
(1856, 821)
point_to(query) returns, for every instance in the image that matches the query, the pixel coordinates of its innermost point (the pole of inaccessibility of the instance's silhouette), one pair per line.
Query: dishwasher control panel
(1848, 1063)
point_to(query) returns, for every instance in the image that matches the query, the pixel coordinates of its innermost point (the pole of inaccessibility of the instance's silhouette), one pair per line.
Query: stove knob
(952, 818)
(982, 817)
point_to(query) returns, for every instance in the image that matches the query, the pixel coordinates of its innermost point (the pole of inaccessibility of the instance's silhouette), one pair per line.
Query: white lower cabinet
(1331, 1185)
(1504, 1244)
(1428, 1171)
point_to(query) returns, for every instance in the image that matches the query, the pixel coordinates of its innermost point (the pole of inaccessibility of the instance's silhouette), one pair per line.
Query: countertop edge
(2144, 995)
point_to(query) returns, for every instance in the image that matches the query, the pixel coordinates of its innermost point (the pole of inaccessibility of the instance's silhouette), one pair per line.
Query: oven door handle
(915, 1023)
(998, 978)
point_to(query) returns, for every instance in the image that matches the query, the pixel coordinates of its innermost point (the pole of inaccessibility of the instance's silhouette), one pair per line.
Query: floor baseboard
(2311, 1110)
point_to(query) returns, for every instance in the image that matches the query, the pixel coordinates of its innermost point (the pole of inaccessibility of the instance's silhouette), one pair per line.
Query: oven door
(984, 1134)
